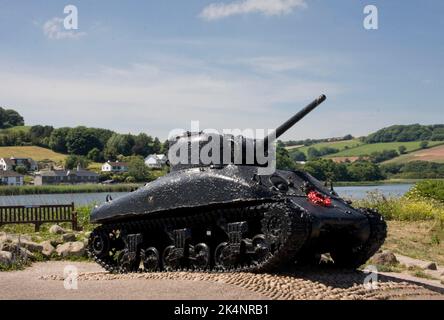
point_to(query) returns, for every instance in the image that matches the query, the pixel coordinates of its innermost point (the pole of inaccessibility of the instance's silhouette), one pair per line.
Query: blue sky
(153, 66)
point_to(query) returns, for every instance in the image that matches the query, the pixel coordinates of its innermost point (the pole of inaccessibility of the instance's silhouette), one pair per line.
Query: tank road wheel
(171, 258)
(99, 244)
(150, 259)
(353, 257)
(201, 258)
(225, 256)
(128, 261)
(261, 248)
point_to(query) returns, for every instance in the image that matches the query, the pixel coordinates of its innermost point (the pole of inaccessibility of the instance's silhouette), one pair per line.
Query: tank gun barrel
(294, 119)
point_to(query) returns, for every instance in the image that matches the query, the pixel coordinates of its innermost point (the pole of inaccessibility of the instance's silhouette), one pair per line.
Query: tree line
(404, 133)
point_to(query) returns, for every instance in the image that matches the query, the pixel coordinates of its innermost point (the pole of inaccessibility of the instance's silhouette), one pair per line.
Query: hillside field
(340, 145)
(435, 154)
(34, 152)
(367, 149)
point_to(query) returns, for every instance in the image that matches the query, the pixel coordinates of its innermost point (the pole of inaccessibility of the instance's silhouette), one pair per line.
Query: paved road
(45, 280)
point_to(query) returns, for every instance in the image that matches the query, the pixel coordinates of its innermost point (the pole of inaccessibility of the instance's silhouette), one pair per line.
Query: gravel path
(45, 281)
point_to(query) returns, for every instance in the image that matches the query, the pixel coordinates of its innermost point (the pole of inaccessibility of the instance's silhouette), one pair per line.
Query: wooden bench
(39, 214)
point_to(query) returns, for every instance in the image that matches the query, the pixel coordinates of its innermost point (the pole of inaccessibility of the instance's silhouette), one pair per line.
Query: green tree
(157, 145)
(402, 149)
(21, 170)
(81, 140)
(138, 170)
(313, 153)
(142, 145)
(118, 144)
(95, 155)
(10, 118)
(283, 160)
(72, 161)
(297, 155)
(57, 139)
(424, 144)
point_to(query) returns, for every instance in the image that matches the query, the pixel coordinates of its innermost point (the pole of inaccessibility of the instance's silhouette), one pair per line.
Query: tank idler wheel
(99, 244)
(262, 248)
(171, 258)
(128, 261)
(201, 259)
(150, 259)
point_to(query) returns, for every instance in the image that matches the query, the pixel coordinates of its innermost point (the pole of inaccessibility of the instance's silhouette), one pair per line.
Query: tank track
(356, 257)
(284, 228)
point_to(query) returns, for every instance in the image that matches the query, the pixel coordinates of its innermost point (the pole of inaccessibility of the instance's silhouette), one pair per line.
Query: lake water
(360, 192)
(81, 199)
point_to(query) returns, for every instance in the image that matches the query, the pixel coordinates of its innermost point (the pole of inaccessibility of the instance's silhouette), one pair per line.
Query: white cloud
(216, 11)
(53, 29)
(159, 95)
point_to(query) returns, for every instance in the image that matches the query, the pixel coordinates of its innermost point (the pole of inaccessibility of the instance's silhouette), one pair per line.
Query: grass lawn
(367, 149)
(34, 152)
(416, 239)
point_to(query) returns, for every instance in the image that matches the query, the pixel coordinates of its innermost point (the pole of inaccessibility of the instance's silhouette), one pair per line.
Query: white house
(12, 163)
(117, 166)
(11, 178)
(156, 161)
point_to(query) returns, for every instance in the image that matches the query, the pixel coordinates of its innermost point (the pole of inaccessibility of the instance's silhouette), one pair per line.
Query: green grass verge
(78, 188)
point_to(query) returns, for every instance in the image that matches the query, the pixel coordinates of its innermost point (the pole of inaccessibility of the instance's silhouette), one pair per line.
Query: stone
(69, 237)
(31, 246)
(56, 229)
(430, 266)
(385, 258)
(71, 249)
(48, 248)
(5, 258)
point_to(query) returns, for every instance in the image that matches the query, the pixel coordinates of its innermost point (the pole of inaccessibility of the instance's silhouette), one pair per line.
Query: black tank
(226, 216)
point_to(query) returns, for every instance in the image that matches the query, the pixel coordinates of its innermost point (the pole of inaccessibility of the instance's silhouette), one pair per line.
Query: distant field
(367, 149)
(435, 154)
(340, 145)
(36, 153)
(15, 129)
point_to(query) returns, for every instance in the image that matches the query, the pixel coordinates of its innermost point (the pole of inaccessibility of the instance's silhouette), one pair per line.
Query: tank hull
(229, 217)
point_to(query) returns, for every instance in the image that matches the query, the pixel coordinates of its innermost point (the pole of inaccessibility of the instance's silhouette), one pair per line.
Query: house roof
(160, 157)
(9, 173)
(63, 173)
(117, 163)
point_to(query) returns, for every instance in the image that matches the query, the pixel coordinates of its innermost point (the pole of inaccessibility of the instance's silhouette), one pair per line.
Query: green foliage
(283, 160)
(327, 169)
(402, 133)
(138, 170)
(404, 208)
(55, 189)
(95, 155)
(81, 140)
(72, 161)
(427, 189)
(424, 144)
(118, 144)
(57, 140)
(414, 170)
(10, 118)
(21, 169)
(402, 149)
(298, 156)
(313, 153)
(384, 155)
